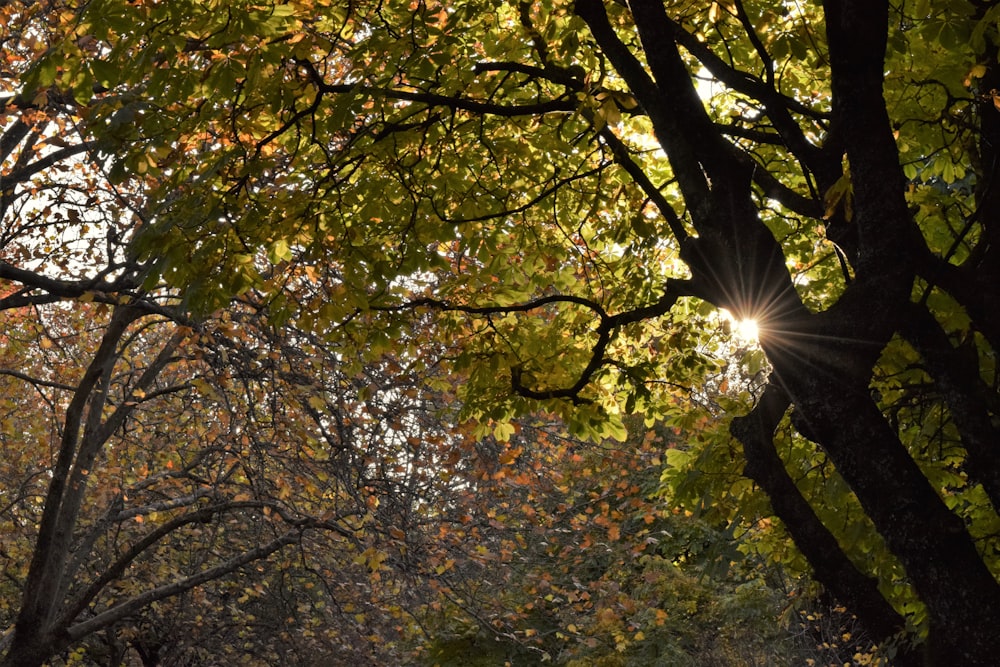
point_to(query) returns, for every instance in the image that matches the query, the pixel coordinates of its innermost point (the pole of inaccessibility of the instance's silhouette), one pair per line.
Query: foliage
(258, 254)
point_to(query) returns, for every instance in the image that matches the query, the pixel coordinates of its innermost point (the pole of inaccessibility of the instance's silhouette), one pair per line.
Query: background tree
(152, 461)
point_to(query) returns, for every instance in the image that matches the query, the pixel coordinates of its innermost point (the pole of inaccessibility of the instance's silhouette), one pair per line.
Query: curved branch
(61, 288)
(541, 196)
(607, 326)
(36, 382)
(568, 77)
(118, 568)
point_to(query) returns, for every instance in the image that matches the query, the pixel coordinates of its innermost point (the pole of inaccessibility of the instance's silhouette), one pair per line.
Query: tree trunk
(32, 649)
(932, 543)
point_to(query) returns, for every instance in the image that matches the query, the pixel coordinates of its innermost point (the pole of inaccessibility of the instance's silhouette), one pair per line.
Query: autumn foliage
(619, 333)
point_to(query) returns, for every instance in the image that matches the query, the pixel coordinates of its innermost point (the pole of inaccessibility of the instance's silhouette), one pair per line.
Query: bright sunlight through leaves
(745, 330)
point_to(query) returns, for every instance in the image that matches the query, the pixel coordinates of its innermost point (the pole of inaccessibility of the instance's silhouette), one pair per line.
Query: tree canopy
(289, 278)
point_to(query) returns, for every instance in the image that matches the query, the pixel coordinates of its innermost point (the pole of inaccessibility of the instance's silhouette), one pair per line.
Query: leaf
(279, 252)
(840, 194)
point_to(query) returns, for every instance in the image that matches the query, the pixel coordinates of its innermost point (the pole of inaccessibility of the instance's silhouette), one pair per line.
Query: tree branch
(125, 609)
(624, 159)
(45, 574)
(561, 104)
(607, 325)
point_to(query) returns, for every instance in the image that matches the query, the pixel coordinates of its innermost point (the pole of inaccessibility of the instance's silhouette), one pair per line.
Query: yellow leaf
(841, 193)
(608, 113)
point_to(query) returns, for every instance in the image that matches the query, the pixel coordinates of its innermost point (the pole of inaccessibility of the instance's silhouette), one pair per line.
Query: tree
(153, 462)
(573, 190)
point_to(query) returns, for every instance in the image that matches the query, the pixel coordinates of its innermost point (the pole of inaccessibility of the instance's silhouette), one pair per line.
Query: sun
(745, 330)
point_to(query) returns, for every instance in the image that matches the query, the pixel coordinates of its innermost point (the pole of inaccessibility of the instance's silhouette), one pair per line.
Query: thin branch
(36, 382)
(455, 103)
(129, 607)
(564, 76)
(624, 159)
(758, 45)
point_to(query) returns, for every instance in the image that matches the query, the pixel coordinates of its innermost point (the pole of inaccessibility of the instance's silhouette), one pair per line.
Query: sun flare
(746, 330)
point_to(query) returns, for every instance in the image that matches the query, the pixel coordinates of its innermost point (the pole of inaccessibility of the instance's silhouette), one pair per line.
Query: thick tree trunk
(32, 649)
(833, 406)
